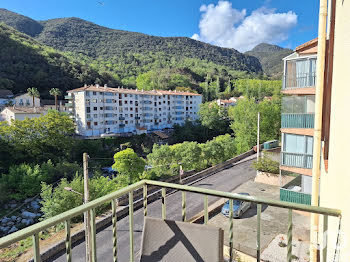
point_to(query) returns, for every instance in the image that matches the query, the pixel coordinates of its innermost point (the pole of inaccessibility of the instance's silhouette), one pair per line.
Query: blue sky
(229, 23)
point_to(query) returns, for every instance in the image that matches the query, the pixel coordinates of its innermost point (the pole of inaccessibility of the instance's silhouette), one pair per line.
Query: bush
(266, 164)
(58, 200)
(24, 180)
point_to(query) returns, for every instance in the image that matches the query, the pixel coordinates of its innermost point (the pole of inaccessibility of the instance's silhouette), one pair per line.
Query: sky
(235, 24)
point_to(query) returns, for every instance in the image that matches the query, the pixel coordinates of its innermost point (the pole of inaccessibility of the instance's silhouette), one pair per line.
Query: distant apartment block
(297, 119)
(20, 113)
(101, 110)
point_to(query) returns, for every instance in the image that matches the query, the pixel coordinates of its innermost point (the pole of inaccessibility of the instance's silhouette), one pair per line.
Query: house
(98, 110)
(20, 113)
(225, 103)
(25, 100)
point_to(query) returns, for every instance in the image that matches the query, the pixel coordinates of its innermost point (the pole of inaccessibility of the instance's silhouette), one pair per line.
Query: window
(95, 115)
(298, 144)
(94, 93)
(88, 110)
(94, 100)
(101, 93)
(95, 123)
(125, 95)
(95, 108)
(87, 93)
(101, 107)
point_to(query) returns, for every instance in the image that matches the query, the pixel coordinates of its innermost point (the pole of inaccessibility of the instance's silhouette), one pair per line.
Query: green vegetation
(33, 92)
(95, 54)
(129, 165)
(256, 88)
(166, 159)
(24, 180)
(270, 57)
(245, 117)
(24, 62)
(56, 200)
(214, 117)
(266, 164)
(40, 139)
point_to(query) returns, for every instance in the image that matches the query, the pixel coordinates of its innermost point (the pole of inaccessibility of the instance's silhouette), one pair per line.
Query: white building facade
(101, 110)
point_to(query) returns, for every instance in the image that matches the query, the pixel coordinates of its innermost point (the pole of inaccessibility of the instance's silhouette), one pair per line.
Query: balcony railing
(297, 120)
(293, 196)
(70, 104)
(299, 81)
(90, 207)
(297, 160)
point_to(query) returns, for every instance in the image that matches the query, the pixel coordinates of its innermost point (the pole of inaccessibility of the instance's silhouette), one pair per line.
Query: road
(225, 180)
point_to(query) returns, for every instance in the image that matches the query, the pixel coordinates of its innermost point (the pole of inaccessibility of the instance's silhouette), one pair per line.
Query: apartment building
(297, 120)
(101, 110)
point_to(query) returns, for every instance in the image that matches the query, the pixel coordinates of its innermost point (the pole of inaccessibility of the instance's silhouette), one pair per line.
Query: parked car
(239, 207)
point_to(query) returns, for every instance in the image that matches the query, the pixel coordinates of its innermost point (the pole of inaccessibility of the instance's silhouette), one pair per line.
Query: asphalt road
(226, 180)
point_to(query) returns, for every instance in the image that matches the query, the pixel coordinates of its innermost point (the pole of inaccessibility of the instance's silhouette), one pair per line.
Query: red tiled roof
(130, 91)
(307, 44)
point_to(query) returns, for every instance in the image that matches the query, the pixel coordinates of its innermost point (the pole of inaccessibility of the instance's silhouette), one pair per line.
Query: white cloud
(226, 26)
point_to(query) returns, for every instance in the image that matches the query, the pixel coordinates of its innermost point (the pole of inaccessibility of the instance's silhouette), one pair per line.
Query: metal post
(87, 213)
(258, 139)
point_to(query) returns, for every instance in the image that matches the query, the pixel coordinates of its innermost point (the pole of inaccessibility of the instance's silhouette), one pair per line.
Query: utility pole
(258, 139)
(87, 213)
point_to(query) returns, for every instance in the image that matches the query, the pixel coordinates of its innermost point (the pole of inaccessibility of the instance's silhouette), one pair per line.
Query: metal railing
(297, 120)
(90, 207)
(299, 81)
(297, 160)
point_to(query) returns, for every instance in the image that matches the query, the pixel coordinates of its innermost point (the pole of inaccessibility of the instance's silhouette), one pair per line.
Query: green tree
(245, 117)
(214, 117)
(129, 165)
(55, 92)
(37, 140)
(244, 125)
(33, 92)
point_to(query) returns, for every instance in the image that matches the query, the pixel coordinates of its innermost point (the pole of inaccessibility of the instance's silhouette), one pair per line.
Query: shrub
(266, 164)
(24, 180)
(58, 200)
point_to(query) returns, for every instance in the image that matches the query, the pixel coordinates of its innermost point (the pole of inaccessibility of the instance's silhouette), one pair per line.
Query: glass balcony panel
(300, 73)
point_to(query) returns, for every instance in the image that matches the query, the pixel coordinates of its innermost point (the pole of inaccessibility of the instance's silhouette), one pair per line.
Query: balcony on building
(298, 112)
(167, 236)
(299, 76)
(69, 96)
(121, 118)
(296, 155)
(298, 190)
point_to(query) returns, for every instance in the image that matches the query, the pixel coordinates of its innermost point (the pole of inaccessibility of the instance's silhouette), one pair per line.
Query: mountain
(24, 62)
(270, 57)
(80, 36)
(114, 57)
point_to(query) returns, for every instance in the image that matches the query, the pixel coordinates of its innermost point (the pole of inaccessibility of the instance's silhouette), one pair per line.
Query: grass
(12, 252)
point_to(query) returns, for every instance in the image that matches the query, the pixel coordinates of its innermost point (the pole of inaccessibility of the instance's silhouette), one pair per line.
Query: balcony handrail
(36, 228)
(296, 154)
(277, 203)
(89, 207)
(298, 113)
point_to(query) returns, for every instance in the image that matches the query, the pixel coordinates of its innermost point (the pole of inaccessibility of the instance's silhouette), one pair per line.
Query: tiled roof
(307, 44)
(26, 110)
(97, 88)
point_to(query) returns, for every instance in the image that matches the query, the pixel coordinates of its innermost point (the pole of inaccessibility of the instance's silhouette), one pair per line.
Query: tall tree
(129, 165)
(55, 92)
(33, 92)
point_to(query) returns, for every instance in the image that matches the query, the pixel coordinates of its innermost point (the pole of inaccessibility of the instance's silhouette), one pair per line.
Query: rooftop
(105, 88)
(26, 110)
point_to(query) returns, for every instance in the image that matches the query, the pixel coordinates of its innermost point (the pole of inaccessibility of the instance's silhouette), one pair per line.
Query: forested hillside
(25, 62)
(126, 56)
(270, 57)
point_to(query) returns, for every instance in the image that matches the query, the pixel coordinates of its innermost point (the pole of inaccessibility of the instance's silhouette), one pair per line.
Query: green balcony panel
(295, 197)
(297, 120)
